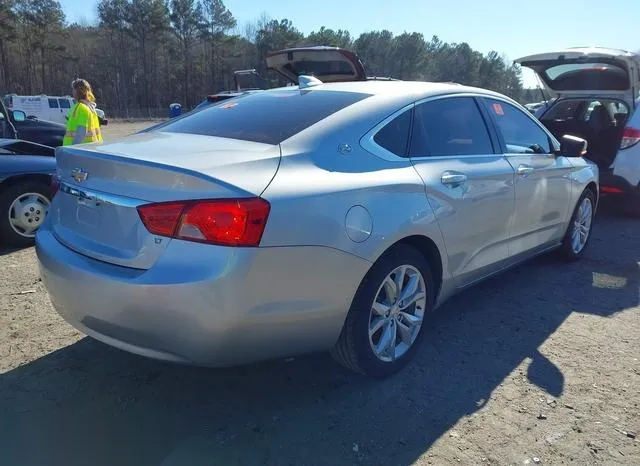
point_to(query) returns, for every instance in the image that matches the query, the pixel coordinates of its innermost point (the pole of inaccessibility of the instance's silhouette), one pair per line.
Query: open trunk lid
(328, 64)
(592, 71)
(101, 186)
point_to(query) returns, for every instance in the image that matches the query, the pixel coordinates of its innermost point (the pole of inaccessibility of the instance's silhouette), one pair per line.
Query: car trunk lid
(102, 185)
(583, 72)
(328, 64)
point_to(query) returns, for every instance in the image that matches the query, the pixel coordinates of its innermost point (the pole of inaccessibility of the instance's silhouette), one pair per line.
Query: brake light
(161, 219)
(630, 137)
(610, 190)
(227, 222)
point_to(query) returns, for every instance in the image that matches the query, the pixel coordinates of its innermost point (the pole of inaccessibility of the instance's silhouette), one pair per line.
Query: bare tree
(144, 54)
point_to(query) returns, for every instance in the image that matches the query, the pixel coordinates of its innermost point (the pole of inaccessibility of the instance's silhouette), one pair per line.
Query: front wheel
(23, 208)
(578, 234)
(385, 323)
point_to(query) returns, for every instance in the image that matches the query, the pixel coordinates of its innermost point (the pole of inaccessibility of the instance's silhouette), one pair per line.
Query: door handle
(452, 178)
(524, 170)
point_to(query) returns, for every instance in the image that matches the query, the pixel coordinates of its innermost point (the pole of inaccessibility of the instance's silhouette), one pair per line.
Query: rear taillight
(54, 186)
(630, 137)
(227, 222)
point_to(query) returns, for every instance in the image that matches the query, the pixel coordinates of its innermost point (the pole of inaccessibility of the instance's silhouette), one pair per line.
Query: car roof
(383, 99)
(412, 90)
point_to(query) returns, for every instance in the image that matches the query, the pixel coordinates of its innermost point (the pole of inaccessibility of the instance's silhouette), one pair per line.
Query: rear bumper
(206, 305)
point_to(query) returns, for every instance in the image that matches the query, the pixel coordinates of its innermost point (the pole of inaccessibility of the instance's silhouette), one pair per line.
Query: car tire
(573, 247)
(356, 346)
(39, 191)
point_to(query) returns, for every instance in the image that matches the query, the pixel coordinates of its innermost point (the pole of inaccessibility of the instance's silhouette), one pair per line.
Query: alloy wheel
(582, 226)
(397, 313)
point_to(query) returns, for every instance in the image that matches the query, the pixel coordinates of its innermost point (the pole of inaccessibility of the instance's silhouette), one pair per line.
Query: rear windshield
(267, 117)
(593, 76)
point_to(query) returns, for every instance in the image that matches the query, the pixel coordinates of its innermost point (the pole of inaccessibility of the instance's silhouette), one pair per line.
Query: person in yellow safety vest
(83, 125)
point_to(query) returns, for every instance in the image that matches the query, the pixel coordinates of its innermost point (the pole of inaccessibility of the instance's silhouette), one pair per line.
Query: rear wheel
(578, 234)
(385, 323)
(23, 208)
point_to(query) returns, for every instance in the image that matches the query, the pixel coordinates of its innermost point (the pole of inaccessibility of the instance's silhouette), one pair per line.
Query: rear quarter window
(266, 117)
(394, 136)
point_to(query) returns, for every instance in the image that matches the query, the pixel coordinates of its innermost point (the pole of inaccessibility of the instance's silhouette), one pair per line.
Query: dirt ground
(539, 365)
(116, 129)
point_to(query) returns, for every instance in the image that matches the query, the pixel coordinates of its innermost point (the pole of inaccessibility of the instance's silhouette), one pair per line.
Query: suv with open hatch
(593, 94)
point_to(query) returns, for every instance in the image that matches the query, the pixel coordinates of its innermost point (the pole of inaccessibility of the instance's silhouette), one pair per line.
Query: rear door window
(267, 117)
(520, 133)
(53, 103)
(64, 103)
(449, 127)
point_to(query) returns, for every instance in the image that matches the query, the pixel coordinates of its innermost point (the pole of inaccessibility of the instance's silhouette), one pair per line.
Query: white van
(45, 107)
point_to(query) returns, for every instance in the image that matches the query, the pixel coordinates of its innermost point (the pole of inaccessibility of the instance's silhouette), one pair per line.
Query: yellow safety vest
(82, 115)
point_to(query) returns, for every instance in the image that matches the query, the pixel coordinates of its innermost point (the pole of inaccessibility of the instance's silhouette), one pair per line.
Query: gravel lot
(539, 365)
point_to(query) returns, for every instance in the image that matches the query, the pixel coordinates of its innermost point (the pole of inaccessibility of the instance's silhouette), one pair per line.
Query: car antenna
(305, 81)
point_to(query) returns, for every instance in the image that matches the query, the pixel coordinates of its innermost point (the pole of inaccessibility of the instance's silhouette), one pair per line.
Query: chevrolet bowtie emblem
(79, 175)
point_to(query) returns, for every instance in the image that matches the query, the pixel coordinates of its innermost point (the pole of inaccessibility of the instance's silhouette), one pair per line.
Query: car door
(542, 178)
(469, 183)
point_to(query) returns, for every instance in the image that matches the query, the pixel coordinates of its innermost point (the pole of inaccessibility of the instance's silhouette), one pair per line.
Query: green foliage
(324, 36)
(144, 54)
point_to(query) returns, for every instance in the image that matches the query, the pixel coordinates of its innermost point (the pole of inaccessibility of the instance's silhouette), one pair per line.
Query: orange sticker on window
(498, 109)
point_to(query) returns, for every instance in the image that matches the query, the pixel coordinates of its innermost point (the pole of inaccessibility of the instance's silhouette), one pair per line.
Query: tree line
(142, 55)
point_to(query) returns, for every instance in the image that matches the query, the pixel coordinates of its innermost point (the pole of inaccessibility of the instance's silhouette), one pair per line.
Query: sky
(511, 27)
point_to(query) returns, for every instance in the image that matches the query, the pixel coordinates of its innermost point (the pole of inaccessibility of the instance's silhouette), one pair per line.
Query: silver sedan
(329, 216)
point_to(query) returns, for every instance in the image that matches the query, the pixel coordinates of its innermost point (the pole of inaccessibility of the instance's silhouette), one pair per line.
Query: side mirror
(573, 146)
(19, 115)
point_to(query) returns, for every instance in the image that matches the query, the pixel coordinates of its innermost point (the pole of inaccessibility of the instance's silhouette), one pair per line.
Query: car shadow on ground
(91, 404)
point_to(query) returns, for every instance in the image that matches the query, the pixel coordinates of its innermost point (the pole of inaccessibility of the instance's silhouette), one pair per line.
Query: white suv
(593, 93)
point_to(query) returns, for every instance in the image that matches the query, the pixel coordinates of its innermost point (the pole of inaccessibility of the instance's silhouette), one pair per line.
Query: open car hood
(328, 64)
(588, 71)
